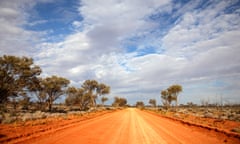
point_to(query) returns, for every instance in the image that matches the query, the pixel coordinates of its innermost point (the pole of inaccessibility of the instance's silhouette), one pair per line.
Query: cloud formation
(138, 47)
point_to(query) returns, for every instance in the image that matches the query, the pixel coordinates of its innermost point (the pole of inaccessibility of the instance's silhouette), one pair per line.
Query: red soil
(125, 126)
(25, 130)
(221, 125)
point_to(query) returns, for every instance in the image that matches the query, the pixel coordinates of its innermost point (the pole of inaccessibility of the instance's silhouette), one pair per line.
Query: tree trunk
(50, 105)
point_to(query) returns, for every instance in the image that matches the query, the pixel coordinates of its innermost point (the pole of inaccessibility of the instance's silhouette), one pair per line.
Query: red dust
(124, 126)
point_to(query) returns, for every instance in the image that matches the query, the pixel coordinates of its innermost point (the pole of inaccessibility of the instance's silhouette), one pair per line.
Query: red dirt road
(133, 126)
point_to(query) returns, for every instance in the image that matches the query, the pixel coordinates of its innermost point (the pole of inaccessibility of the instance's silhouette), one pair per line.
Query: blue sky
(137, 47)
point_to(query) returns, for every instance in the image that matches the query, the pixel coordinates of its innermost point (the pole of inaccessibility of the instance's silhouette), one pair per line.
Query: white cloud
(198, 27)
(196, 51)
(112, 21)
(65, 57)
(14, 39)
(201, 46)
(104, 29)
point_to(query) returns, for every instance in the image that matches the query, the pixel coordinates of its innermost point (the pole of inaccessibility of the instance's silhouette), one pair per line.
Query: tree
(104, 99)
(85, 97)
(153, 102)
(25, 102)
(166, 98)
(174, 90)
(119, 102)
(36, 90)
(90, 86)
(140, 104)
(42, 100)
(103, 89)
(53, 88)
(72, 97)
(79, 97)
(170, 94)
(17, 74)
(94, 89)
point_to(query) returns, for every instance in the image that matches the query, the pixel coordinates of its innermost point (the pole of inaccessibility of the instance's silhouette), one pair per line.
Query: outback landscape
(119, 72)
(131, 125)
(29, 113)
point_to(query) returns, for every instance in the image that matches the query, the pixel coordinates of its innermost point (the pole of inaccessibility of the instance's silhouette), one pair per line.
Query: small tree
(153, 102)
(166, 98)
(103, 100)
(16, 76)
(174, 90)
(140, 104)
(119, 102)
(103, 89)
(170, 94)
(37, 91)
(79, 97)
(72, 98)
(42, 100)
(54, 87)
(86, 96)
(90, 86)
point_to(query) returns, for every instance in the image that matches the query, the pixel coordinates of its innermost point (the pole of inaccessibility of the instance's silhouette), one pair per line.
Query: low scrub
(7, 118)
(224, 113)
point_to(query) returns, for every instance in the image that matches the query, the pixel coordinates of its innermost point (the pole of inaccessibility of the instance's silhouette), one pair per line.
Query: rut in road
(131, 126)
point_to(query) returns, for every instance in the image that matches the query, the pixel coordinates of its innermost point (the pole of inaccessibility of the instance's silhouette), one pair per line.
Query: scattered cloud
(138, 47)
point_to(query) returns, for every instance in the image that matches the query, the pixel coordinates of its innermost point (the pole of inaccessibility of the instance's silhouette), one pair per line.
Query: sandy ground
(131, 126)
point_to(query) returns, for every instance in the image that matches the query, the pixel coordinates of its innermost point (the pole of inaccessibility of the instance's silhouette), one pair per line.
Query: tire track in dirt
(132, 126)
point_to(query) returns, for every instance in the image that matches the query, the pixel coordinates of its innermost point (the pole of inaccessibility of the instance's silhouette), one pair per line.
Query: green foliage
(166, 98)
(95, 89)
(103, 100)
(119, 102)
(79, 97)
(85, 97)
(17, 74)
(140, 104)
(72, 96)
(90, 88)
(153, 102)
(53, 87)
(170, 94)
(20, 77)
(103, 89)
(174, 90)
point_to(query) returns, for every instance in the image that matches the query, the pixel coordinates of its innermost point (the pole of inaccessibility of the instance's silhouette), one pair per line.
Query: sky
(137, 47)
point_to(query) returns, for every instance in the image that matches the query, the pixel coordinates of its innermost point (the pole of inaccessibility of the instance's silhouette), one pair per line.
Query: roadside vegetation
(119, 102)
(171, 94)
(25, 95)
(140, 104)
(209, 115)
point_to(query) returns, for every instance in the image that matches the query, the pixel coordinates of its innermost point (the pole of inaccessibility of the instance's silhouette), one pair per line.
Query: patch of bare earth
(228, 127)
(35, 128)
(123, 126)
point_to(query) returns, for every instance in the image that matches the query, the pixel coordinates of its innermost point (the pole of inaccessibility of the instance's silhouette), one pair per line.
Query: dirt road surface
(133, 126)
